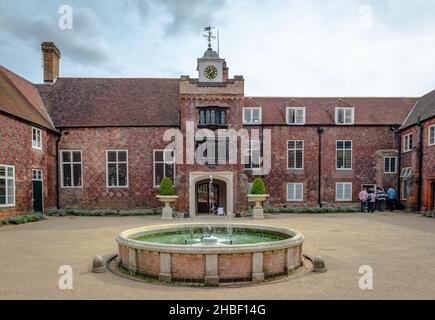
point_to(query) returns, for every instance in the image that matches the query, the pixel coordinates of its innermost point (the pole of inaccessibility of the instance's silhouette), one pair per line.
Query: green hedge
(22, 219)
(312, 210)
(103, 212)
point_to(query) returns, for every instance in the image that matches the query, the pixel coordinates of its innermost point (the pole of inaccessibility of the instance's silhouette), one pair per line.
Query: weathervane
(209, 35)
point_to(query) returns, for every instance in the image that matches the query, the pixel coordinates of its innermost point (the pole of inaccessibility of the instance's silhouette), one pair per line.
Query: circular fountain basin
(236, 253)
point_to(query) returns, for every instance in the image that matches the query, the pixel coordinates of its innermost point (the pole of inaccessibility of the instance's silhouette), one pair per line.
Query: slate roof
(112, 102)
(20, 98)
(425, 109)
(368, 111)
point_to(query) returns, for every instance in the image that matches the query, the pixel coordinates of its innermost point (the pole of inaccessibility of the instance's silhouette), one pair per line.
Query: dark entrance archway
(210, 196)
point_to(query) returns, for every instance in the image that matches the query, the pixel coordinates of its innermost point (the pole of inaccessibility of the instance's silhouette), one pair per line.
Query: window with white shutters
(295, 192)
(343, 191)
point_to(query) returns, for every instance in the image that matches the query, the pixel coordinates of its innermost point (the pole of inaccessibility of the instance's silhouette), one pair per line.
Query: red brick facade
(16, 150)
(411, 159)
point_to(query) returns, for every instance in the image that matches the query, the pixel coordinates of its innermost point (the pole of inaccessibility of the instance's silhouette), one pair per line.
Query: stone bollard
(98, 265)
(319, 265)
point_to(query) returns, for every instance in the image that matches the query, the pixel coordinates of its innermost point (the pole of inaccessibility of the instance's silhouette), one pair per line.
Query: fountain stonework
(212, 261)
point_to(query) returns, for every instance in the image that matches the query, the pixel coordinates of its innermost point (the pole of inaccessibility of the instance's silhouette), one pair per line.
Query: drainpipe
(399, 165)
(319, 183)
(420, 164)
(57, 170)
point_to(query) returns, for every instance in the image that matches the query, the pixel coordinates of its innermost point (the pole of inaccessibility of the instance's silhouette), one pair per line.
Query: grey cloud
(186, 15)
(84, 44)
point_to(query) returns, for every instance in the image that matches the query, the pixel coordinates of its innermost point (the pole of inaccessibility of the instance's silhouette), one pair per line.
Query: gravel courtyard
(399, 247)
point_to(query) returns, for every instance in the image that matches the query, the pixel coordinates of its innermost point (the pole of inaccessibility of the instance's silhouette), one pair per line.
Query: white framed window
(164, 166)
(252, 115)
(406, 173)
(295, 192)
(390, 165)
(344, 155)
(295, 116)
(431, 133)
(37, 175)
(36, 138)
(344, 115)
(7, 186)
(343, 191)
(295, 154)
(117, 168)
(71, 168)
(407, 142)
(252, 154)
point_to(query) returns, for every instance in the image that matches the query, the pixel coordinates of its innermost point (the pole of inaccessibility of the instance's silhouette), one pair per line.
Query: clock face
(210, 72)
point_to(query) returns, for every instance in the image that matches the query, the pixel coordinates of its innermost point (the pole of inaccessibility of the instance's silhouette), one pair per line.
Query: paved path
(399, 247)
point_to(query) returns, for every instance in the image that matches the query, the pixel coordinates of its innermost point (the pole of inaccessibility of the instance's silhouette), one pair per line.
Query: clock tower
(211, 68)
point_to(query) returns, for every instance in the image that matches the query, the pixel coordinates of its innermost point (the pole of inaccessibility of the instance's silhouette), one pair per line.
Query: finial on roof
(209, 35)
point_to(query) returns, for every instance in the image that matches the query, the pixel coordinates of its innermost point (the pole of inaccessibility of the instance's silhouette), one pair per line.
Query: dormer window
(295, 116)
(212, 117)
(252, 116)
(344, 116)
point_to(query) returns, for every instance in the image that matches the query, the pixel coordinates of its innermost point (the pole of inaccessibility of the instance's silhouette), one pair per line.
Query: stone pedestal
(258, 211)
(167, 213)
(165, 267)
(211, 270)
(257, 267)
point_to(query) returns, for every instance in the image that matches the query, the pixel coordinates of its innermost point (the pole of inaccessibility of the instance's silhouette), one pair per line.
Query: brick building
(108, 137)
(417, 178)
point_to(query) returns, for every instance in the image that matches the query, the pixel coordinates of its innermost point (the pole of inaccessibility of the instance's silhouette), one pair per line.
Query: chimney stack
(51, 56)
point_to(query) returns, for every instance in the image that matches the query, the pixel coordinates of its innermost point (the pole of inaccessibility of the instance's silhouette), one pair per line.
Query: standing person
(381, 196)
(372, 201)
(363, 196)
(391, 198)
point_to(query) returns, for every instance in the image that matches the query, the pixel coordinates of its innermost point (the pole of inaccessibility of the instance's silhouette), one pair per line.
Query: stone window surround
(226, 177)
(389, 160)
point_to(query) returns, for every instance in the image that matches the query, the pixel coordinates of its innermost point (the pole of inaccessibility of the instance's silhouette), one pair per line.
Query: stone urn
(167, 209)
(258, 212)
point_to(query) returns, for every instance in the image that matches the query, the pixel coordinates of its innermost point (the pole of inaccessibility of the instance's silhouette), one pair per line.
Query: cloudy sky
(282, 48)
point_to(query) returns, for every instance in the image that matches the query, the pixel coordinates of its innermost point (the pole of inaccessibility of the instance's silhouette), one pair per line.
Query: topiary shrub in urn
(258, 195)
(167, 195)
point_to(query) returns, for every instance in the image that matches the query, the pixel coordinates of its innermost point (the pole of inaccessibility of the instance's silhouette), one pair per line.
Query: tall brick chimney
(51, 57)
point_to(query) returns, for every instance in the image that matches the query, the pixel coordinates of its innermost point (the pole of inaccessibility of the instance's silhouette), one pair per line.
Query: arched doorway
(210, 195)
(204, 197)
